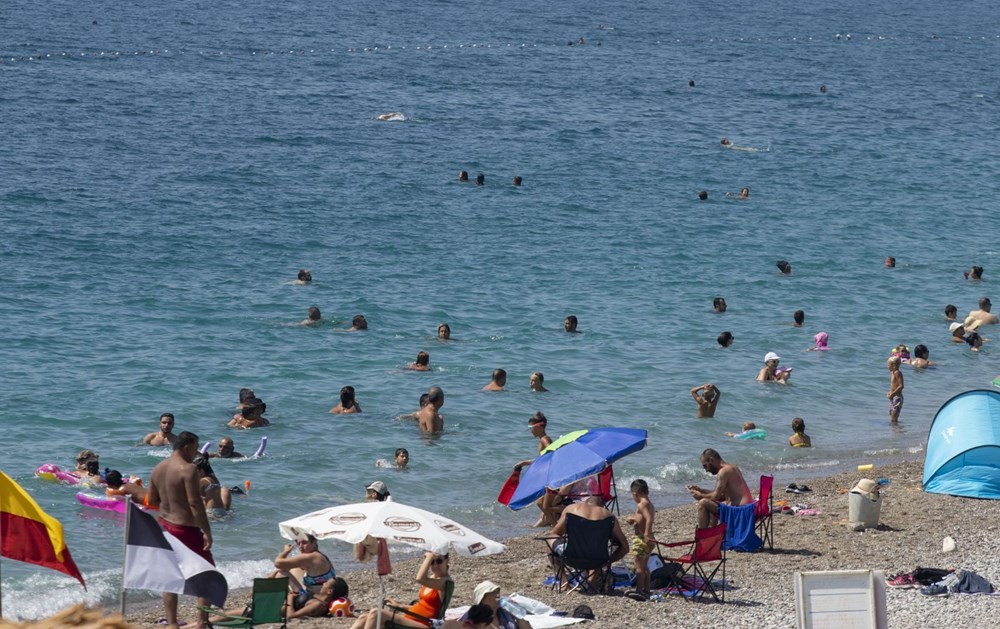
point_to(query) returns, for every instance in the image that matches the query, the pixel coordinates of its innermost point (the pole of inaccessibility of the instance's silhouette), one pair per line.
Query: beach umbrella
(574, 456)
(394, 522)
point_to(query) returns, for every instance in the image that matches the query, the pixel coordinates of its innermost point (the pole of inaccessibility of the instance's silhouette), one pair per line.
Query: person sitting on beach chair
(730, 489)
(436, 587)
(586, 539)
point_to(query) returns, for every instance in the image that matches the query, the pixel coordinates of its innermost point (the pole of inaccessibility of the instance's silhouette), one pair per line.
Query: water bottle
(515, 610)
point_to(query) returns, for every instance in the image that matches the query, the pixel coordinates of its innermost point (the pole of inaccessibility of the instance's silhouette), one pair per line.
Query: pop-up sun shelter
(963, 447)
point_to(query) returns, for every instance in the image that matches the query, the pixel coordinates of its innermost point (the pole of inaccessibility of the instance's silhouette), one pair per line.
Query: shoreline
(760, 592)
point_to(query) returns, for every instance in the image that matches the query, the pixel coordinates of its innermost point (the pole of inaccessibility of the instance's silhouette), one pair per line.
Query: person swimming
(820, 339)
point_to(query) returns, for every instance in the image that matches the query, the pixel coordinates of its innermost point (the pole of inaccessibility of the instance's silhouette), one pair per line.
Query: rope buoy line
(7, 58)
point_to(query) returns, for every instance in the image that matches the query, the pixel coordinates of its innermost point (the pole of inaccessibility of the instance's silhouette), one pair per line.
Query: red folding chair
(762, 515)
(605, 490)
(705, 548)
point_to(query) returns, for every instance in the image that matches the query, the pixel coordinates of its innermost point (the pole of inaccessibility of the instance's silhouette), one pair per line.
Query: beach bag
(665, 576)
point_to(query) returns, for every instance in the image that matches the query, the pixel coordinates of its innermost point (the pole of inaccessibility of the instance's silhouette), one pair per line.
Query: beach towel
(740, 533)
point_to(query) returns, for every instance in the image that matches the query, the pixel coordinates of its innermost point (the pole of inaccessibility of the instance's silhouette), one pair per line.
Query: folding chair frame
(764, 513)
(574, 571)
(259, 616)
(707, 540)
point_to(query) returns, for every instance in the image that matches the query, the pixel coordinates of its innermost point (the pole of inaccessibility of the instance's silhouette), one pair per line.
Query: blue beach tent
(963, 447)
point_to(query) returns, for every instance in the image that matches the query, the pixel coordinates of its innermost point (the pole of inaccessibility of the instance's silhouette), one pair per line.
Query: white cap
(378, 487)
(482, 590)
(771, 356)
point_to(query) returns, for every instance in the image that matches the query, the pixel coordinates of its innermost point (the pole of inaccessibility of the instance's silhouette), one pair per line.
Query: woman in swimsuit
(433, 578)
(317, 605)
(308, 570)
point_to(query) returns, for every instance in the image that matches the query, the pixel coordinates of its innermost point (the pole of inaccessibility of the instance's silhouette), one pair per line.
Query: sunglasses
(439, 560)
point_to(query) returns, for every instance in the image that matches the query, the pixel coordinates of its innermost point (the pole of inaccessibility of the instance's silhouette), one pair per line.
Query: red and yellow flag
(29, 534)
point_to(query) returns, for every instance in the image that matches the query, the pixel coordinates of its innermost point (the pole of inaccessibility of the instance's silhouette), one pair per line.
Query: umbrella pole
(381, 601)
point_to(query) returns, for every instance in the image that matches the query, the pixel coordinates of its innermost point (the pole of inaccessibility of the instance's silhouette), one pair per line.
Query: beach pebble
(948, 545)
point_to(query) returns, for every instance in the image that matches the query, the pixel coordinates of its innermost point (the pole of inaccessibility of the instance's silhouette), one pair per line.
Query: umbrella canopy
(395, 522)
(574, 456)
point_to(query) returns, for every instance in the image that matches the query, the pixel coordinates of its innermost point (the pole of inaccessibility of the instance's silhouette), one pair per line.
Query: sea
(169, 167)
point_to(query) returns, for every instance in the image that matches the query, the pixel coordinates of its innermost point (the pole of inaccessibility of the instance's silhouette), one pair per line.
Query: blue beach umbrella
(574, 456)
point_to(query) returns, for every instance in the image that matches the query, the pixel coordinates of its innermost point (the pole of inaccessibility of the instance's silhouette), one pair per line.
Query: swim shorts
(640, 547)
(895, 404)
(190, 536)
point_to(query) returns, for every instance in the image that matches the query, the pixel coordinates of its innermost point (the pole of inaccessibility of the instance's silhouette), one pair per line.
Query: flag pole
(128, 520)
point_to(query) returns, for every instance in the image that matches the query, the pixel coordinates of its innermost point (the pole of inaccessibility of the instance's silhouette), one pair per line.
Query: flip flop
(637, 596)
(793, 489)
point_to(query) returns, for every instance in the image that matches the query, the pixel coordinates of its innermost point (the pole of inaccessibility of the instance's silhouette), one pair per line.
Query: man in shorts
(174, 488)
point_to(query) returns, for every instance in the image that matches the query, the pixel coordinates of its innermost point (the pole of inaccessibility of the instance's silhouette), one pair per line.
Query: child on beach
(895, 393)
(799, 438)
(642, 539)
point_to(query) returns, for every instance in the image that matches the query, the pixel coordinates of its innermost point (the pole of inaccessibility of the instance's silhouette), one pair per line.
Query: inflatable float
(52, 472)
(258, 453)
(104, 503)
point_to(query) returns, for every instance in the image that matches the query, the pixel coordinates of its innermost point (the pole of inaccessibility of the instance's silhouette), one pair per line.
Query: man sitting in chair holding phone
(730, 489)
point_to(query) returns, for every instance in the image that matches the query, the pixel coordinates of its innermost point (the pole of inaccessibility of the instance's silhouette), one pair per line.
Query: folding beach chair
(741, 532)
(765, 510)
(605, 490)
(268, 601)
(449, 589)
(706, 548)
(584, 560)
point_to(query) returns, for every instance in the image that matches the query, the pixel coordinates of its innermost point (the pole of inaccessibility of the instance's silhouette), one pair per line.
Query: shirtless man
(570, 324)
(498, 381)
(590, 509)
(895, 393)
(251, 416)
(770, 372)
(422, 363)
(315, 317)
(707, 396)
(983, 315)
(730, 489)
(642, 539)
(164, 436)
(174, 488)
(227, 450)
(428, 417)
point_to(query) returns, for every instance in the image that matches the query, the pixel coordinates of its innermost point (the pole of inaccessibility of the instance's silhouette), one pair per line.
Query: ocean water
(169, 168)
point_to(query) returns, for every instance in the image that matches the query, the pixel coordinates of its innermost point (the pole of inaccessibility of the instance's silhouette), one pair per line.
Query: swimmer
(691, 83)
(707, 397)
(304, 277)
(251, 416)
(359, 323)
(895, 393)
(428, 417)
(725, 339)
(480, 179)
(890, 262)
(983, 315)
(784, 267)
(822, 89)
(921, 356)
(747, 427)
(719, 304)
(950, 312)
(517, 181)
(117, 488)
(347, 404)
(497, 382)
(423, 362)
(975, 273)
(725, 142)
(570, 324)
(416, 414)
(770, 372)
(799, 438)
(535, 382)
(227, 450)
(391, 116)
(820, 339)
(703, 195)
(744, 192)
(444, 332)
(798, 318)
(401, 460)
(974, 340)
(957, 332)
(902, 352)
(315, 318)
(164, 436)
(245, 396)
(463, 176)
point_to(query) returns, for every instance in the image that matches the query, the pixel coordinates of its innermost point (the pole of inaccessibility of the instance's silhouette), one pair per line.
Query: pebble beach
(760, 585)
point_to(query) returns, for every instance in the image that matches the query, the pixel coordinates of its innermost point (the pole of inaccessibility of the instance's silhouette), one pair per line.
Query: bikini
(318, 580)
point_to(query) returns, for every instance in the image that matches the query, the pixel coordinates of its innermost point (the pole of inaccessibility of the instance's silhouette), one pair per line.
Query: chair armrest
(405, 611)
(675, 544)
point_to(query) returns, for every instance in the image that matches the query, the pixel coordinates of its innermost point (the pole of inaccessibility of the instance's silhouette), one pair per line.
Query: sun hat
(971, 323)
(378, 487)
(954, 326)
(771, 356)
(866, 487)
(482, 590)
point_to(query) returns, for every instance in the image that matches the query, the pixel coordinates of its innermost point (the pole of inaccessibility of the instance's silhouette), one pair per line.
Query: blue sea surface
(168, 168)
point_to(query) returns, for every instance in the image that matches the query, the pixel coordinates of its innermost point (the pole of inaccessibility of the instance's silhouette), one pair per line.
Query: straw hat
(866, 487)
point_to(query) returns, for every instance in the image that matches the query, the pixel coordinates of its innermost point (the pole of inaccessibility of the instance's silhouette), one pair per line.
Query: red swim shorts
(190, 536)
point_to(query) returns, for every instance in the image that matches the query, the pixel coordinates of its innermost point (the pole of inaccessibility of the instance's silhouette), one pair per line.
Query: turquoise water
(162, 188)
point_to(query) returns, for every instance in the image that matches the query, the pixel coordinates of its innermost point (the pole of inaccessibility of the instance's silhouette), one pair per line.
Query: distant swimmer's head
(890, 262)
(783, 266)
(517, 180)
(538, 419)
(821, 340)
(85, 457)
(798, 425)
(975, 273)
(359, 322)
(725, 142)
(822, 89)
(726, 339)
(305, 276)
(166, 423)
(246, 394)
(691, 83)
(423, 359)
(435, 397)
(226, 447)
(536, 381)
(921, 351)
(744, 192)
(799, 316)
(956, 329)
(719, 304)
(402, 457)
(463, 175)
(424, 399)
(950, 312)
(347, 397)
(480, 179)
(985, 304)
(749, 426)
(974, 340)
(703, 195)
(444, 331)
(113, 478)
(570, 323)
(500, 377)
(314, 314)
